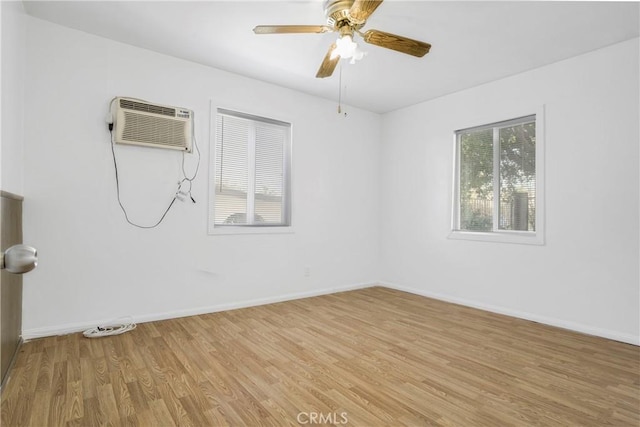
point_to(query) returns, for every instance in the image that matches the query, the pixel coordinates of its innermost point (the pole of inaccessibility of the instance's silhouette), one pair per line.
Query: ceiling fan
(347, 17)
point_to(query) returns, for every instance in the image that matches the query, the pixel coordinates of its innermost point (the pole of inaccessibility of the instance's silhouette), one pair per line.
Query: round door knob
(20, 259)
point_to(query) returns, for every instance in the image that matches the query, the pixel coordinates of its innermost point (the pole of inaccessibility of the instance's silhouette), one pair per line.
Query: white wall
(13, 63)
(586, 275)
(372, 204)
(95, 267)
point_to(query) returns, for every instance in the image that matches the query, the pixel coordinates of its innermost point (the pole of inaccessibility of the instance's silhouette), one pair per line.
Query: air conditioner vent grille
(147, 108)
(153, 130)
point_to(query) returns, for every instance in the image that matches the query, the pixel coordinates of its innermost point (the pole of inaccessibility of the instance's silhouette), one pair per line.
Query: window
(496, 195)
(251, 172)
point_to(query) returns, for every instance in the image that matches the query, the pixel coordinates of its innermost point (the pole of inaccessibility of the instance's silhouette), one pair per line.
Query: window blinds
(251, 170)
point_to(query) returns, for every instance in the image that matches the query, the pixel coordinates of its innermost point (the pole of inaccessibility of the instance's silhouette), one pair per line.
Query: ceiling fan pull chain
(340, 90)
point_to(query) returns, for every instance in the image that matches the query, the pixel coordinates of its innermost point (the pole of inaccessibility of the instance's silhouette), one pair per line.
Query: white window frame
(503, 236)
(217, 229)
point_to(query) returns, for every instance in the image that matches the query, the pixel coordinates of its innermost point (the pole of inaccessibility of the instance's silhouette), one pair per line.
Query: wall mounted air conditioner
(137, 122)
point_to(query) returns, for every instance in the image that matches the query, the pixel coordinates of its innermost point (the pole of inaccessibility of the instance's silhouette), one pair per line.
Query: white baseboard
(564, 324)
(590, 330)
(69, 328)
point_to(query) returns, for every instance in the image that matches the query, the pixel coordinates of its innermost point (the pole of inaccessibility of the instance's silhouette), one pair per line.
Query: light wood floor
(368, 357)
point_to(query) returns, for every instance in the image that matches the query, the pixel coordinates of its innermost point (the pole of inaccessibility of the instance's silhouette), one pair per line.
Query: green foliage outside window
(517, 178)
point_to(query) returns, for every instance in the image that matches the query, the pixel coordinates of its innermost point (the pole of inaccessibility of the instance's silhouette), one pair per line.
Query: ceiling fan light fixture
(345, 47)
(358, 54)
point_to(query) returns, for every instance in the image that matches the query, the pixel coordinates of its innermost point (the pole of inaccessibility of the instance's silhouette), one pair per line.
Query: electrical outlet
(307, 271)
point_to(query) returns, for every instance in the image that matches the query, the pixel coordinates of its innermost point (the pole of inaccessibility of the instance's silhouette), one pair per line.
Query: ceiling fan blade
(290, 29)
(397, 43)
(362, 9)
(328, 64)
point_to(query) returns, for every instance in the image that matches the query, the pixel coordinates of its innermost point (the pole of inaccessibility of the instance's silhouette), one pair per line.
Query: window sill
(525, 238)
(238, 230)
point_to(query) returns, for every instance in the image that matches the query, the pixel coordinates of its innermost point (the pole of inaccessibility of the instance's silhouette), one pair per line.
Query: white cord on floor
(109, 330)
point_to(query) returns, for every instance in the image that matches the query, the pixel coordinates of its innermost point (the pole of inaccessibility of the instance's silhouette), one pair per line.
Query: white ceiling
(474, 42)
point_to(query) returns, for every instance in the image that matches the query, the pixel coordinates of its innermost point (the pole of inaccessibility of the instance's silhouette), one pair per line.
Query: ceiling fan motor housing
(337, 13)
